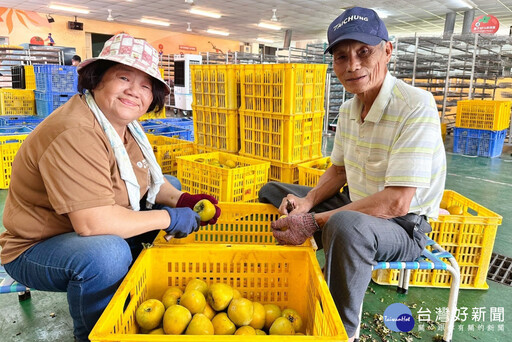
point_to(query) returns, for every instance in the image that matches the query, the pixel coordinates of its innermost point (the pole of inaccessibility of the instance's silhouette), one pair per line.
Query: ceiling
(307, 19)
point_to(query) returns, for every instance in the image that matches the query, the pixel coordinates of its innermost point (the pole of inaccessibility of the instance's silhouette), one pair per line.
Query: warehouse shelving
(167, 64)
(12, 56)
(454, 67)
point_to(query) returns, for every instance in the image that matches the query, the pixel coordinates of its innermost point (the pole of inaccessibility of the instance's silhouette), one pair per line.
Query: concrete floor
(486, 181)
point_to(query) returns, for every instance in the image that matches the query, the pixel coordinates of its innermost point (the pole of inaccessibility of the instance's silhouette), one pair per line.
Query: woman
(83, 180)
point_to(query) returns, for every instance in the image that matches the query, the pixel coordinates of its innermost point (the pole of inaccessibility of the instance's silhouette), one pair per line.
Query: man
(75, 60)
(388, 149)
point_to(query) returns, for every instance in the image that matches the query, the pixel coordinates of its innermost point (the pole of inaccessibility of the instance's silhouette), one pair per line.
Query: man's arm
(391, 202)
(328, 185)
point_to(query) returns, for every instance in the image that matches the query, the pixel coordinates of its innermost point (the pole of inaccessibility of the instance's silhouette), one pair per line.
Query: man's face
(74, 62)
(361, 68)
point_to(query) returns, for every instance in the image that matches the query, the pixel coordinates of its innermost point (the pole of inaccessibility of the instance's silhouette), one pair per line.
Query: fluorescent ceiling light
(69, 9)
(465, 3)
(154, 22)
(205, 13)
(269, 26)
(382, 14)
(222, 33)
(265, 40)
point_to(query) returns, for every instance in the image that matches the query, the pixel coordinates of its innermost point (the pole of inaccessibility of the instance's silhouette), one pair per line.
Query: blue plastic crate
(56, 78)
(181, 122)
(14, 130)
(174, 132)
(22, 120)
(478, 142)
(47, 102)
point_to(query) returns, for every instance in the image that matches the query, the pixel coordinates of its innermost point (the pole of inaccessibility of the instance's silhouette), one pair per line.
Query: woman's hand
(183, 221)
(189, 201)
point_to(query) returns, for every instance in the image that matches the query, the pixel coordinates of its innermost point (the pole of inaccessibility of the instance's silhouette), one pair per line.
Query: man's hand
(294, 229)
(296, 204)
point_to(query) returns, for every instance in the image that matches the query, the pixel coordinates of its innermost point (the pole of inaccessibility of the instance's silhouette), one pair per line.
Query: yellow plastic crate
(153, 115)
(286, 89)
(283, 172)
(216, 128)
(30, 77)
(285, 276)
(281, 138)
(469, 238)
(239, 223)
(239, 184)
(483, 114)
(444, 128)
(167, 149)
(17, 102)
(9, 146)
(215, 85)
(310, 172)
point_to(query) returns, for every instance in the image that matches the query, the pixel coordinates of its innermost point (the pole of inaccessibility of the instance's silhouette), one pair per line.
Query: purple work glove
(294, 229)
(189, 201)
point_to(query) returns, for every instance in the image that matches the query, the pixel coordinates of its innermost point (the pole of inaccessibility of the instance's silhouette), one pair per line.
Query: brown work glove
(294, 229)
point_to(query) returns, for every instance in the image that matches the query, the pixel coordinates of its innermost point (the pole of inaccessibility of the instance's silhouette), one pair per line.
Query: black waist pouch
(416, 227)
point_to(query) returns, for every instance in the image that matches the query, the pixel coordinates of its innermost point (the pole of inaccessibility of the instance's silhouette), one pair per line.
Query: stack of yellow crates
(281, 115)
(215, 102)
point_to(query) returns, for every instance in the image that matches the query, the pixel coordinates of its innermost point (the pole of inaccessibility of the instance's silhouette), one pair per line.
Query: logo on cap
(357, 23)
(349, 19)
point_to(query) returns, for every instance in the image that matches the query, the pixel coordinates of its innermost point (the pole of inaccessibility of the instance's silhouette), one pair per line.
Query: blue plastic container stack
(478, 142)
(55, 85)
(181, 128)
(26, 121)
(18, 125)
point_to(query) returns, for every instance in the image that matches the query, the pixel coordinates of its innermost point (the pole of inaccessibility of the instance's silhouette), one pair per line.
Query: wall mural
(22, 16)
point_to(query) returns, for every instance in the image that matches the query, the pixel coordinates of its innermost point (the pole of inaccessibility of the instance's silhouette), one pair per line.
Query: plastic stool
(428, 260)
(9, 285)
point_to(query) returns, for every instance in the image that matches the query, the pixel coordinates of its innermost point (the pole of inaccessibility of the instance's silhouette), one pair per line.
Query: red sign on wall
(188, 48)
(485, 24)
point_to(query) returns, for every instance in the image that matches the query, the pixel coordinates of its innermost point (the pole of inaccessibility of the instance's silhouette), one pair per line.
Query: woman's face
(124, 94)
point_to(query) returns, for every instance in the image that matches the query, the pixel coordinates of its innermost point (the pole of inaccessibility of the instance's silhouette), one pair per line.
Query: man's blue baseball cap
(357, 23)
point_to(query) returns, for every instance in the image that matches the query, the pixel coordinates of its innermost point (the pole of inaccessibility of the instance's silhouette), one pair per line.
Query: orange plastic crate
(281, 138)
(199, 174)
(216, 128)
(469, 238)
(285, 276)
